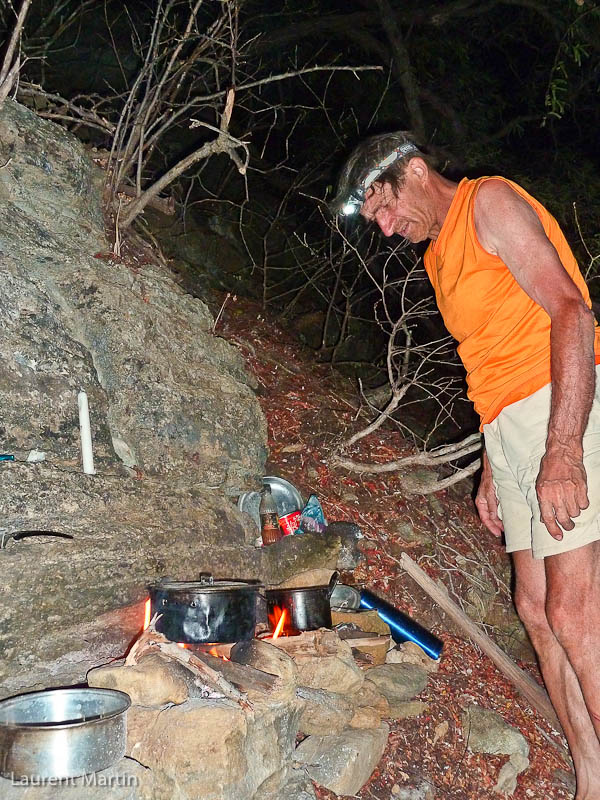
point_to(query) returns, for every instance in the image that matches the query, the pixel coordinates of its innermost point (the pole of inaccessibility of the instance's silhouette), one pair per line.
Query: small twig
(117, 244)
(218, 317)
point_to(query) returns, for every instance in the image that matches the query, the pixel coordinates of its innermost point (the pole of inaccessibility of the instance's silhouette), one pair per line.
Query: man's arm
(508, 227)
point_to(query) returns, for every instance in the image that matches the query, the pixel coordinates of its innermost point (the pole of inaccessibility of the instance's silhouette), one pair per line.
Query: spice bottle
(269, 521)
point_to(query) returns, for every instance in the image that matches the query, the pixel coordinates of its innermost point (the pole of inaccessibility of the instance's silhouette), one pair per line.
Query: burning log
(244, 676)
(209, 668)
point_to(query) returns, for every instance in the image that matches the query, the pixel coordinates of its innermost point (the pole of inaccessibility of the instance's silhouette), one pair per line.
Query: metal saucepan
(205, 611)
(308, 608)
(62, 733)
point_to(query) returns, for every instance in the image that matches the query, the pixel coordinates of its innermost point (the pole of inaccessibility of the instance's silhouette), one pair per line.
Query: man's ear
(417, 167)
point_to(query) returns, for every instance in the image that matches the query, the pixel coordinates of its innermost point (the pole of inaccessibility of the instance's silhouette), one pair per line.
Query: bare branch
(432, 458)
(11, 63)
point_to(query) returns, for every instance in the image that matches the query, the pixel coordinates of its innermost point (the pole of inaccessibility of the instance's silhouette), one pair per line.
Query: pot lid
(206, 584)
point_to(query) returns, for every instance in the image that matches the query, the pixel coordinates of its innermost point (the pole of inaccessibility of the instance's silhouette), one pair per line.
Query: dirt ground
(310, 409)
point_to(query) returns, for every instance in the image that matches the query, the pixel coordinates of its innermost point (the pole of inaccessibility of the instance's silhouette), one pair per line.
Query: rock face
(176, 426)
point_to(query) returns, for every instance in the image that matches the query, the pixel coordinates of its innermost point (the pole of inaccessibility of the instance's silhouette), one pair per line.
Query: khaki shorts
(515, 442)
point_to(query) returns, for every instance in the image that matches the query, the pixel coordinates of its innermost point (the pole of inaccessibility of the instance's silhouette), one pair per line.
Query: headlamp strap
(404, 149)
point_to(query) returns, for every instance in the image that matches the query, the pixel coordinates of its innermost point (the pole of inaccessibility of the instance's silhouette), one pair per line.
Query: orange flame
(183, 645)
(280, 623)
(147, 611)
(214, 652)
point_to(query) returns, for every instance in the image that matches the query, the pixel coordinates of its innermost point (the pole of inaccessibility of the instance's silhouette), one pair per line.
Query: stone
(343, 763)
(297, 786)
(211, 748)
(204, 258)
(411, 653)
(365, 717)
(420, 481)
(486, 732)
(372, 650)
(350, 555)
(479, 599)
(295, 554)
(407, 532)
(366, 620)
(368, 695)
(310, 577)
(165, 393)
(407, 710)
(155, 681)
(176, 426)
(325, 712)
(264, 656)
(336, 673)
(398, 682)
(507, 777)
(423, 790)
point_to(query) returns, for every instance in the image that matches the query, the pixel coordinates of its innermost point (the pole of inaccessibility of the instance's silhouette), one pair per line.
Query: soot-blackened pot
(205, 611)
(308, 608)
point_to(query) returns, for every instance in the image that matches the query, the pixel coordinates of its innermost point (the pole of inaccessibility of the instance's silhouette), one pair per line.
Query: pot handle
(333, 582)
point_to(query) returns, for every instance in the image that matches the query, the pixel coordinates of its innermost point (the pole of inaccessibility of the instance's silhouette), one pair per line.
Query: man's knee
(570, 616)
(573, 597)
(531, 609)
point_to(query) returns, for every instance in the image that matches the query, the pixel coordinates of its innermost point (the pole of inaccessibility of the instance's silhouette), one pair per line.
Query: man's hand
(486, 500)
(561, 489)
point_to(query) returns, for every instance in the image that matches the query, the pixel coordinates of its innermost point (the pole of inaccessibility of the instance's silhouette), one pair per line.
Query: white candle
(87, 455)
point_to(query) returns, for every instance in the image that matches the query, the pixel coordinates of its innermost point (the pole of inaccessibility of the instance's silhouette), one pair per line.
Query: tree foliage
(248, 107)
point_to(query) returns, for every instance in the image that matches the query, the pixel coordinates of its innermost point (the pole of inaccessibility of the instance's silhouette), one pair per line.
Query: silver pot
(62, 733)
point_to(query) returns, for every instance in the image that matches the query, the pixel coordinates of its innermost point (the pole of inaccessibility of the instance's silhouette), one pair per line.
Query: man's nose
(385, 221)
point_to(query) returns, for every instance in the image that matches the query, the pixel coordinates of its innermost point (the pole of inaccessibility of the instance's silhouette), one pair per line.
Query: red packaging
(290, 522)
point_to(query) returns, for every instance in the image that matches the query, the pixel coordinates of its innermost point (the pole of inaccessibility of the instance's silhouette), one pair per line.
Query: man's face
(407, 212)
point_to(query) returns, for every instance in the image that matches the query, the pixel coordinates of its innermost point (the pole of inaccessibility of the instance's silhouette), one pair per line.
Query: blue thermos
(403, 628)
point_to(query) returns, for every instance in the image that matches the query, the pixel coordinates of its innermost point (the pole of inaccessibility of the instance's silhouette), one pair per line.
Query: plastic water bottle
(269, 521)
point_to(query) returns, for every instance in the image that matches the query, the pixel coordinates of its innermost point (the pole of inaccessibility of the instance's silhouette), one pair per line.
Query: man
(510, 292)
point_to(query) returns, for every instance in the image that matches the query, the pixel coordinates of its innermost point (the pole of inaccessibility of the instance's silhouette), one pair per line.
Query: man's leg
(553, 597)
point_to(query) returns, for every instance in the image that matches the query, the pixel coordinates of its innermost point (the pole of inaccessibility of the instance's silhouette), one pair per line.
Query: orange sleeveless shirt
(503, 335)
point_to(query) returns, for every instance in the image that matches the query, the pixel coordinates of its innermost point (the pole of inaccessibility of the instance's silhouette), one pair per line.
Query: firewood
(322, 642)
(151, 640)
(243, 676)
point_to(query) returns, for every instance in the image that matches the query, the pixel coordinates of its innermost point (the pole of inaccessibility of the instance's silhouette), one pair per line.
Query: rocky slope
(177, 430)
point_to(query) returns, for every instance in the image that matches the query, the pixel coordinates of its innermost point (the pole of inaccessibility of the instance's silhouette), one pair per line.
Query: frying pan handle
(333, 582)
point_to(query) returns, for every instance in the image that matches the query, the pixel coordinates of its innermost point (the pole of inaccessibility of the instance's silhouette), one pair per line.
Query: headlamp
(354, 203)
(357, 197)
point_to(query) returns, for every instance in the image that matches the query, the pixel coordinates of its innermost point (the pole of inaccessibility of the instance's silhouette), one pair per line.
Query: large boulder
(177, 429)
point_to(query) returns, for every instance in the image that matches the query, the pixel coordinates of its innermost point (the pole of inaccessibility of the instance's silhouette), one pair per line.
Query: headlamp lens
(350, 208)
(354, 203)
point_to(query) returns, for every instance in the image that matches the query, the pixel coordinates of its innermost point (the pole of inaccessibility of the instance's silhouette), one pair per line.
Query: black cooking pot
(205, 611)
(308, 608)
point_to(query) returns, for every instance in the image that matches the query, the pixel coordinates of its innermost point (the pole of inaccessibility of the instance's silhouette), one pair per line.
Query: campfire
(282, 684)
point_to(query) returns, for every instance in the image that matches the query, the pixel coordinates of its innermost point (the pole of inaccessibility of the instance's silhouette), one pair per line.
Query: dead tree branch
(11, 63)
(415, 372)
